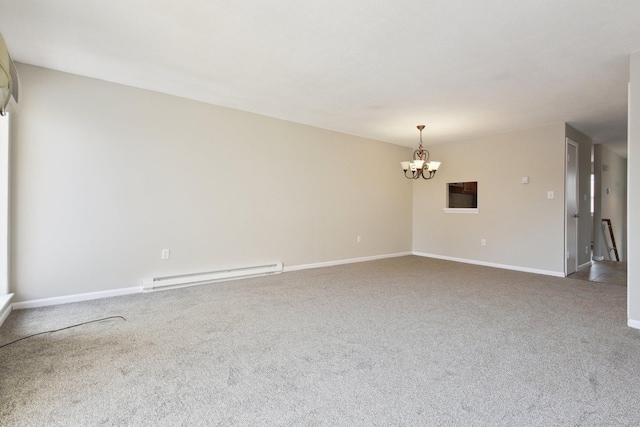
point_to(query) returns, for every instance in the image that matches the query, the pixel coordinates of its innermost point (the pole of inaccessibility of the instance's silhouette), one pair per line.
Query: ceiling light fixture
(420, 166)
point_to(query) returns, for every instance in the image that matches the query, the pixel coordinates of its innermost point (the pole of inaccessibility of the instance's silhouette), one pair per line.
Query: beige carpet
(403, 341)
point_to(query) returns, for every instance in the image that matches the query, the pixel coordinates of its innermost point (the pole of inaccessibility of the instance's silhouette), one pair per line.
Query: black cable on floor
(62, 329)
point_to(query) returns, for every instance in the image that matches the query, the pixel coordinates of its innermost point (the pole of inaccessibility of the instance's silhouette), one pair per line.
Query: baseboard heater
(172, 282)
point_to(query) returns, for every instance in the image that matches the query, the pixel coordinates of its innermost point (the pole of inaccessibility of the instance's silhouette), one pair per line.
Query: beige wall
(522, 227)
(633, 194)
(105, 176)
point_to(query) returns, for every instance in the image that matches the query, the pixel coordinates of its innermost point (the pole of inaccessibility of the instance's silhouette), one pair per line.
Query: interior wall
(106, 176)
(597, 204)
(585, 223)
(611, 185)
(522, 227)
(633, 195)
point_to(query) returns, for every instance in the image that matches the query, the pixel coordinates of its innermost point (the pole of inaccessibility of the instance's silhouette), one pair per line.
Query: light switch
(525, 179)
(549, 194)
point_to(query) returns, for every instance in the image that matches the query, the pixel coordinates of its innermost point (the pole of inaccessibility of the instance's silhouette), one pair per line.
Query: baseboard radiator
(172, 282)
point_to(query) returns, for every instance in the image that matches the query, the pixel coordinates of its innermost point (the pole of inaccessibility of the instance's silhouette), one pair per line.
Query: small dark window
(463, 194)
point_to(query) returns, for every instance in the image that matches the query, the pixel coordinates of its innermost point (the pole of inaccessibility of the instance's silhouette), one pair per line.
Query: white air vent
(15, 78)
(9, 80)
(172, 282)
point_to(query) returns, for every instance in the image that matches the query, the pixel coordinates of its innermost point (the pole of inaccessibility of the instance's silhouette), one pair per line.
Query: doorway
(572, 214)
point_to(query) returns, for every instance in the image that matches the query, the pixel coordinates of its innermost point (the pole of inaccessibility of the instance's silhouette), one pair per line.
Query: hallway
(611, 272)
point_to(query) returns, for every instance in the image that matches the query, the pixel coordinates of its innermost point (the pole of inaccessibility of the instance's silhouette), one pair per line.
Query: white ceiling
(369, 68)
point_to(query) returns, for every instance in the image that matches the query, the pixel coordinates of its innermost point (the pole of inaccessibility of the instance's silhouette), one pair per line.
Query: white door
(571, 208)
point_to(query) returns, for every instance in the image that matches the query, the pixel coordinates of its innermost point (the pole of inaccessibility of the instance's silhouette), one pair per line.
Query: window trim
(461, 210)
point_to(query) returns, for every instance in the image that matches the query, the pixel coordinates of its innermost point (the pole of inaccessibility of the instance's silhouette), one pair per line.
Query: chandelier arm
(414, 175)
(431, 175)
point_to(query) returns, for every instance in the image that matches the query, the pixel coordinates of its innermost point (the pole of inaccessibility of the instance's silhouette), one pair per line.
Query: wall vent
(9, 81)
(15, 88)
(193, 279)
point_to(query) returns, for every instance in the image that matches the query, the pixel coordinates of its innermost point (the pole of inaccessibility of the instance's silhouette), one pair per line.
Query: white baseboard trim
(633, 323)
(598, 258)
(138, 289)
(491, 264)
(585, 265)
(76, 298)
(343, 261)
(5, 307)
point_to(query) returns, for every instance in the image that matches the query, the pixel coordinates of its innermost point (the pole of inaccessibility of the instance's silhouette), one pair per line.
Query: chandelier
(420, 166)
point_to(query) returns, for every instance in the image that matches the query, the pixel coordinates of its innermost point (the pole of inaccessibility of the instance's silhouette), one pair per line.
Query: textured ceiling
(373, 69)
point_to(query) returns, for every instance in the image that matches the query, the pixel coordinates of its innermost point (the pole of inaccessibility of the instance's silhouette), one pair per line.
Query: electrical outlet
(359, 239)
(483, 242)
(586, 249)
(165, 254)
(549, 194)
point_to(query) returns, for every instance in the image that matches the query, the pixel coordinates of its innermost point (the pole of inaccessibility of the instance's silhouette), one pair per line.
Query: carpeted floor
(402, 341)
